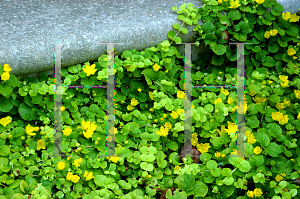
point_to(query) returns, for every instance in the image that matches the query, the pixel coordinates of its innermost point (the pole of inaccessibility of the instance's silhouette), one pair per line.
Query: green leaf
(270, 61)
(274, 129)
(25, 111)
(292, 31)
(269, 3)
(244, 166)
(78, 187)
(273, 150)
(100, 180)
(229, 180)
(275, 98)
(171, 34)
(176, 26)
(208, 27)
(219, 49)
(224, 20)
(4, 150)
(5, 90)
(273, 47)
(263, 139)
(126, 54)
(6, 105)
(200, 189)
(226, 171)
(184, 30)
(23, 186)
(124, 184)
(177, 40)
(185, 182)
(146, 166)
(217, 60)
(234, 15)
(172, 145)
(212, 164)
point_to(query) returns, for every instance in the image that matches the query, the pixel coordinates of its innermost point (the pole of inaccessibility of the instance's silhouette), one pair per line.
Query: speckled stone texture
(27, 25)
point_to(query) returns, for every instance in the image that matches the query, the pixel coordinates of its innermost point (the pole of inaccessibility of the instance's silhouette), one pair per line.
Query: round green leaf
(176, 26)
(273, 47)
(217, 60)
(273, 150)
(244, 166)
(4, 150)
(212, 164)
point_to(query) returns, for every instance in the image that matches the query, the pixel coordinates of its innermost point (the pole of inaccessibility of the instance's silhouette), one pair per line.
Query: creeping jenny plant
(149, 116)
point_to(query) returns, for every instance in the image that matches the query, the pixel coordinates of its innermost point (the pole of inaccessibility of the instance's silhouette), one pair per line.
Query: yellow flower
(166, 71)
(273, 32)
(284, 80)
(156, 67)
(194, 135)
(163, 131)
(5, 76)
(88, 175)
(61, 165)
(67, 131)
(162, 119)
(75, 178)
(260, 1)
(239, 108)
(297, 93)
(230, 100)
(283, 120)
(248, 133)
(109, 138)
(168, 125)
(180, 94)
(294, 57)
(194, 141)
(250, 194)
(225, 92)
(234, 151)
(291, 51)
(257, 192)
(77, 162)
(149, 176)
(257, 150)
(165, 115)
(114, 159)
(40, 145)
(7, 68)
(218, 154)
(234, 4)
(130, 108)
(29, 129)
(134, 102)
(219, 1)
(203, 147)
(5, 121)
(280, 106)
(276, 116)
(223, 155)
(174, 115)
(155, 120)
(139, 90)
(251, 139)
(88, 133)
(111, 131)
(278, 178)
(294, 18)
(218, 100)
(267, 34)
(69, 158)
(62, 108)
(283, 174)
(150, 95)
(298, 117)
(69, 176)
(89, 70)
(286, 15)
(176, 167)
(179, 111)
(232, 128)
(151, 109)
(259, 100)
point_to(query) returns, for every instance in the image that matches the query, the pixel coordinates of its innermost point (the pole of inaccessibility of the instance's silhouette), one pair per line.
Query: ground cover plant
(149, 116)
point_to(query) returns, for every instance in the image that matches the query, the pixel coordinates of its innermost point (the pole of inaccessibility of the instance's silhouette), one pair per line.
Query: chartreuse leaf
(185, 182)
(200, 189)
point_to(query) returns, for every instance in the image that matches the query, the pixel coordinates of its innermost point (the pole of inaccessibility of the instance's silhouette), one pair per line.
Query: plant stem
(181, 27)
